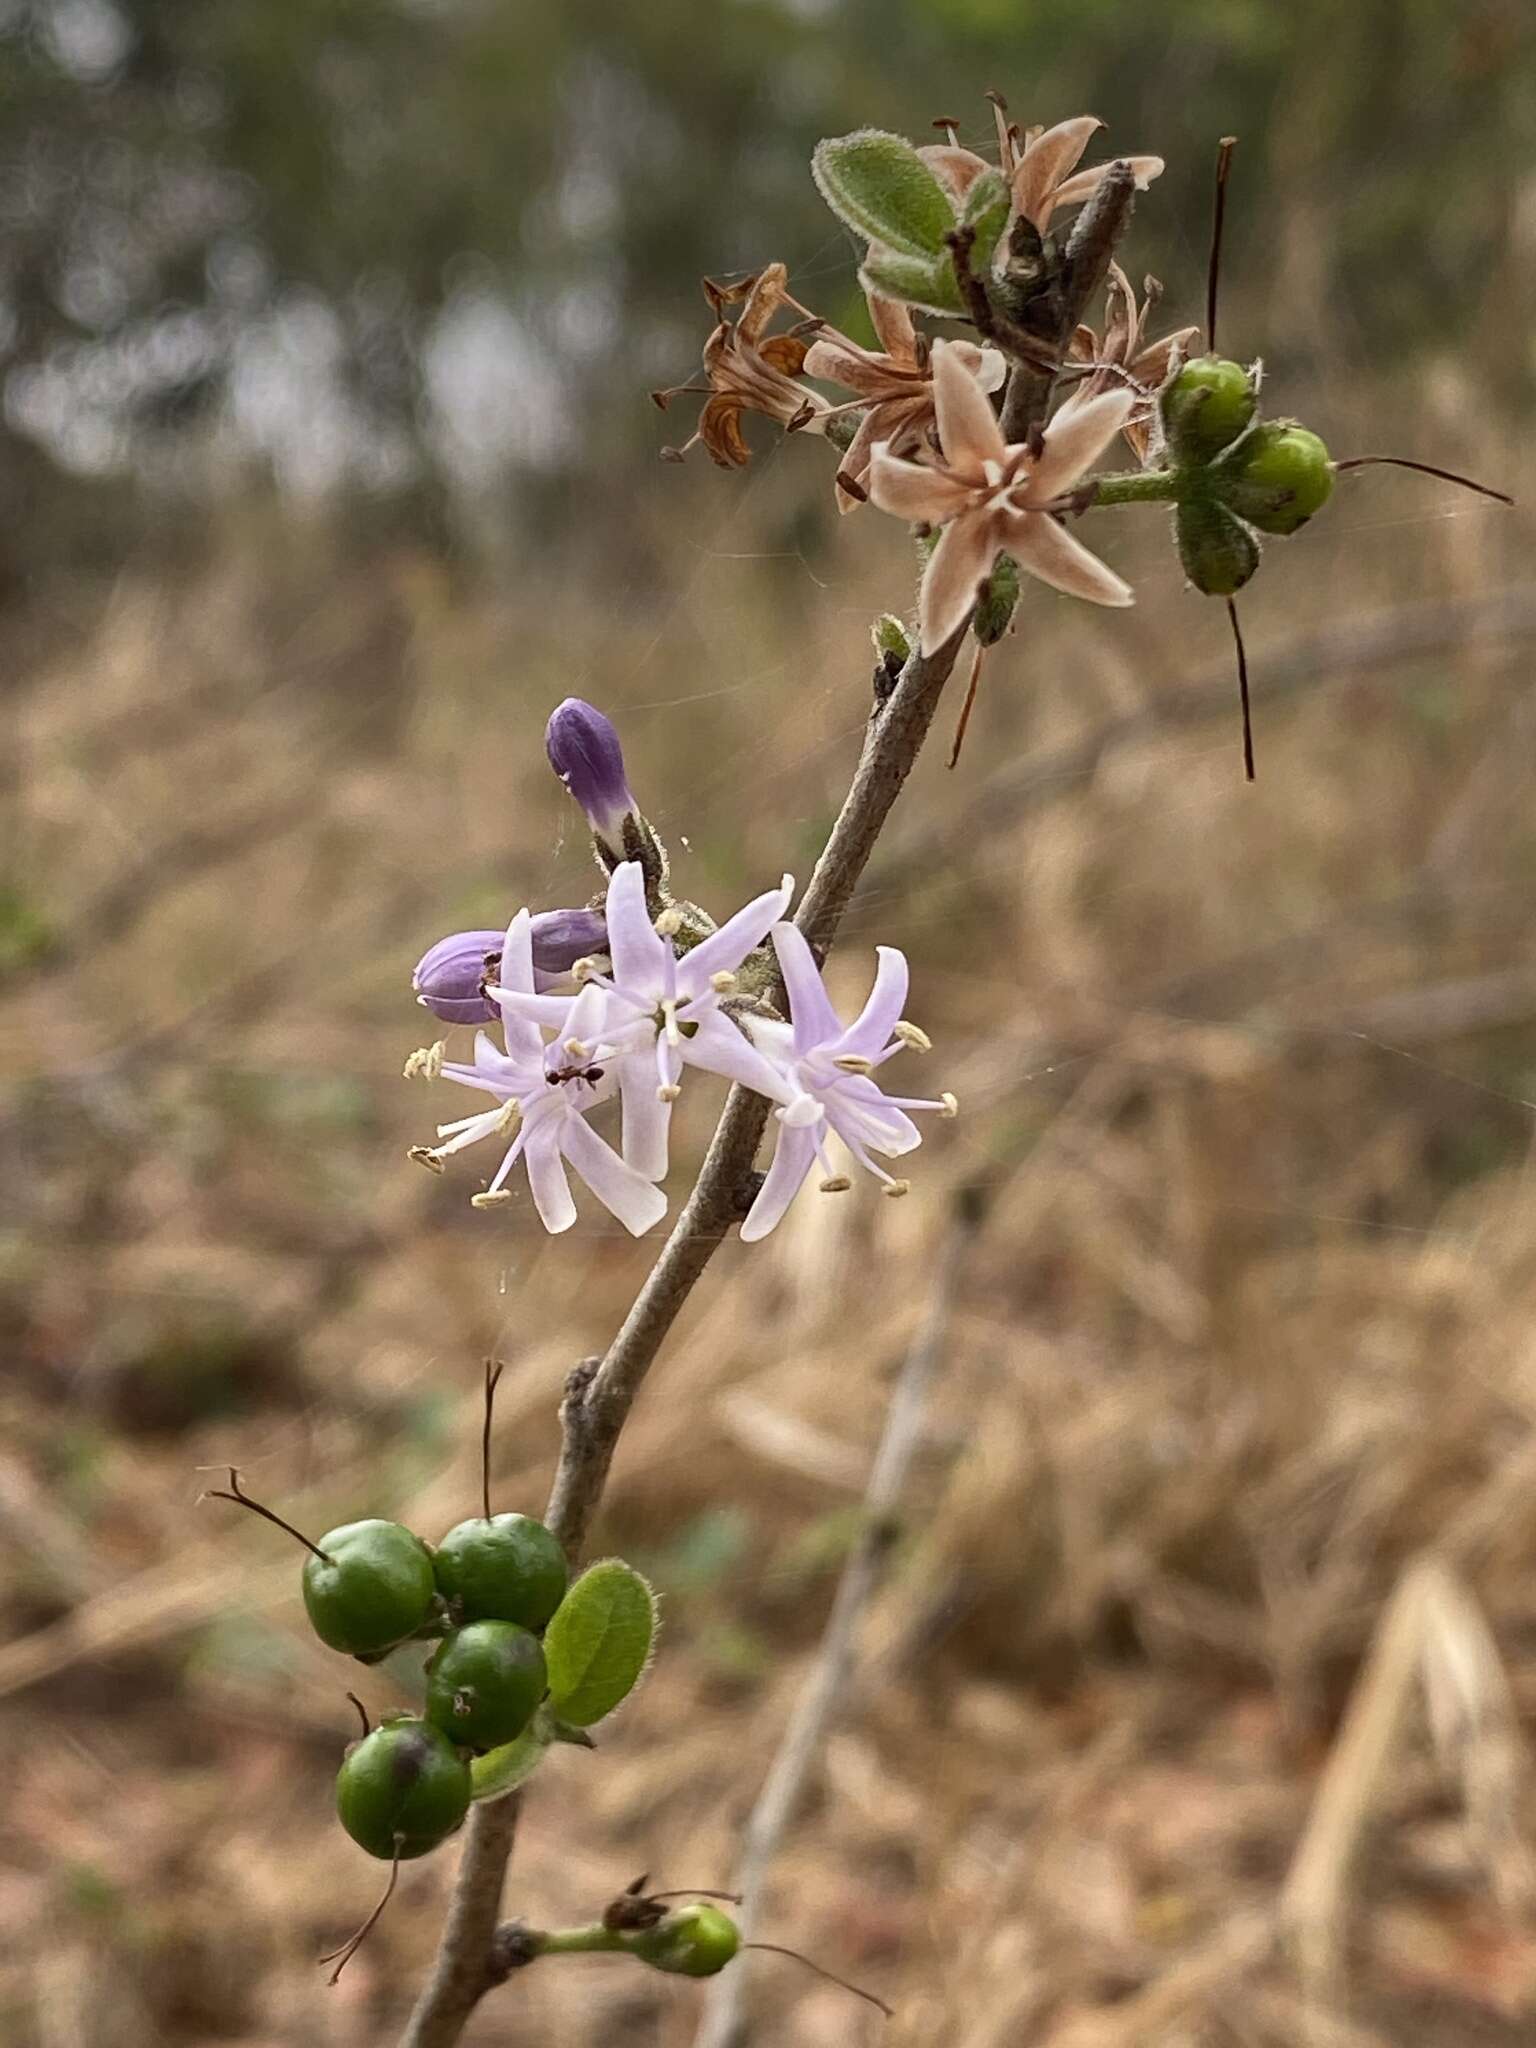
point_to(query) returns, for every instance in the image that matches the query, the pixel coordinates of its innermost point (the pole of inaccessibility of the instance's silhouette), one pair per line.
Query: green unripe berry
(509, 1568)
(372, 1587)
(1280, 476)
(695, 1941)
(1209, 403)
(1218, 552)
(402, 1789)
(484, 1683)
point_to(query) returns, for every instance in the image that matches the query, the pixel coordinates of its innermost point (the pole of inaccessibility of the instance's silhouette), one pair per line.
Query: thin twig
(598, 1400)
(827, 1688)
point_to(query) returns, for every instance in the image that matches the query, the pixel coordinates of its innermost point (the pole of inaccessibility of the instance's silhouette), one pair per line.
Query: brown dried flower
(1124, 360)
(749, 370)
(1040, 165)
(992, 498)
(895, 384)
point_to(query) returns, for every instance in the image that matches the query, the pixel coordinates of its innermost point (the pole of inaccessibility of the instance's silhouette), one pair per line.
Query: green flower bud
(1279, 477)
(695, 1941)
(890, 636)
(484, 1683)
(1206, 407)
(371, 1588)
(1218, 552)
(402, 1789)
(509, 1568)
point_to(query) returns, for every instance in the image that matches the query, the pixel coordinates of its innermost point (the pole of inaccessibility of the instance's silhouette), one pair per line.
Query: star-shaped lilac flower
(661, 1011)
(829, 1066)
(543, 1093)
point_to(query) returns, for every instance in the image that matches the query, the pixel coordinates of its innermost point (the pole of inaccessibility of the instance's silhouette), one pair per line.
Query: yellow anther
(912, 1035)
(853, 1063)
(668, 1092)
(723, 982)
(670, 922)
(426, 1061)
(494, 1198)
(578, 1052)
(839, 1184)
(423, 1155)
(511, 1116)
(951, 1104)
(895, 1188)
(584, 968)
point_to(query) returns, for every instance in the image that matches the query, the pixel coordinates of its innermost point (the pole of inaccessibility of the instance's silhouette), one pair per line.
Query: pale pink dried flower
(895, 383)
(748, 370)
(992, 498)
(1040, 165)
(1124, 360)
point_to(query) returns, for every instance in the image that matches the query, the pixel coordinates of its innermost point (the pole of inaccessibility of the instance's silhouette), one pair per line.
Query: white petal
(968, 430)
(793, 1157)
(638, 955)
(550, 1011)
(546, 1177)
(721, 1047)
(1075, 439)
(724, 950)
(646, 1120)
(1043, 548)
(1073, 191)
(622, 1191)
(1046, 162)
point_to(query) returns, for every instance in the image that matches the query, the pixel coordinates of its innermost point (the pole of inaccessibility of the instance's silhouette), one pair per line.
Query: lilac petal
(968, 430)
(1044, 548)
(550, 1011)
(639, 956)
(721, 1047)
(724, 950)
(622, 1191)
(562, 937)
(870, 1032)
(862, 1115)
(810, 1007)
(546, 1176)
(1078, 435)
(646, 1119)
(793, 1157)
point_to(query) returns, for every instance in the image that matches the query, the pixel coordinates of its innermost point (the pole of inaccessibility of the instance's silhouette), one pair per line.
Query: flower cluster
(656, 990)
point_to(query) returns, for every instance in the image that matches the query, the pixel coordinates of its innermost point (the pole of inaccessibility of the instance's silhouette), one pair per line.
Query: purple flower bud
(584, 752)
(450, 975)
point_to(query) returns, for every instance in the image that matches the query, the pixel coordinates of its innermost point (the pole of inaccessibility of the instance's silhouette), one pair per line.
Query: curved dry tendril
(363, 1715)
(965, 709)
(773, 1948)
(349, 1948)
(695, 1891)
(493, 1374)
(1242, 689)
(244, 1500)
(1446, 476)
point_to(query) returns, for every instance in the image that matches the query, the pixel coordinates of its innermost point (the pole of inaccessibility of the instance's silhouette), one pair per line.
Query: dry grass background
(1245, 1073)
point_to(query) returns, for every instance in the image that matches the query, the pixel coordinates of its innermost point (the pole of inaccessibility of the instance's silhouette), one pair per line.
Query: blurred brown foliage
(1248, 1074)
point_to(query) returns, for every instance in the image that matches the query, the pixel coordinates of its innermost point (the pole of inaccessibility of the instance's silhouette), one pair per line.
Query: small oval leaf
(881, 187)
(987, 206)
(919, 281)
(502, 1770)
(599, 1642)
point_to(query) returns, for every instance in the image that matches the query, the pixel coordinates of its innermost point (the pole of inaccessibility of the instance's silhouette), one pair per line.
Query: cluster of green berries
(1234, 475)
(487, 1592)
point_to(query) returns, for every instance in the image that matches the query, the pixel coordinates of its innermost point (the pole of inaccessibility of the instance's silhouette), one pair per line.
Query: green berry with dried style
(369, 1587)
(485, 1682)
(693, 1941)
(402, 1789)
(1207, 406)
(1277, 477)
(503, 1567)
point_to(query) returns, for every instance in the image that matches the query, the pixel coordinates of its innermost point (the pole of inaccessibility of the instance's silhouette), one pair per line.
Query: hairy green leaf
(881, 187)
(599, 1641)
(925, 282)
(987, 207)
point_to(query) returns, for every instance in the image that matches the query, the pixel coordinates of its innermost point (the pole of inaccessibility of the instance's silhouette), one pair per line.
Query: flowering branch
(599, 1397)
